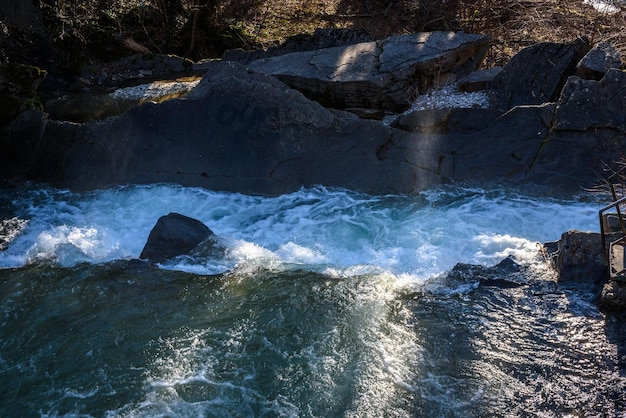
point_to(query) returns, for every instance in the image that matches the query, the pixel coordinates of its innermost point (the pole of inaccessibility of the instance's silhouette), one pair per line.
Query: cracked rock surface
(385, 74)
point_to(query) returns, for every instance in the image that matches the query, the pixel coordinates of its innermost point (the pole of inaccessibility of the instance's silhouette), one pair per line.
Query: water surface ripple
(328, 303)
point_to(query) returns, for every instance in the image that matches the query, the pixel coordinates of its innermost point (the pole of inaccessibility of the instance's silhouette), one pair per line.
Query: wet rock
(602, 58)
(613, 296)
(506, 274)
(578, 258)
(380, 75)
(174, 235)
(536, 74)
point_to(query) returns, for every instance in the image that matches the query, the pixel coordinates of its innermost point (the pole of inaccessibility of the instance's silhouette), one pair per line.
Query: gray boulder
(536, 74)
(578, 258)
(602, 58)
(239, 130)
(385, 74)
(587, 131)
(587, 105)
(478, 80)
(174, 235)
(613, 296)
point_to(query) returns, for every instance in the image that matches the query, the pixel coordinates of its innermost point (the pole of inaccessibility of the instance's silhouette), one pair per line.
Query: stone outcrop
(506, 274)
(578, 258)
(237, 131)
(386, 74)
(536, 74)
(245, 131)
(602, 58)
(613, 297)
(589, 105)
(174, 235)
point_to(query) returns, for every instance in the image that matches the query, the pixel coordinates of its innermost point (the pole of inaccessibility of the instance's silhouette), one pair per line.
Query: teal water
(328, 303)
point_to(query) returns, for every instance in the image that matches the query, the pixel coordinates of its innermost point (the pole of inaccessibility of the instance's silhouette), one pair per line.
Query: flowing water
(327, 303)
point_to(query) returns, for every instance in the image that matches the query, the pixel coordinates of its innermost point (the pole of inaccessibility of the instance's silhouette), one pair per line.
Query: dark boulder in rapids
(174, 235)
(504, 275)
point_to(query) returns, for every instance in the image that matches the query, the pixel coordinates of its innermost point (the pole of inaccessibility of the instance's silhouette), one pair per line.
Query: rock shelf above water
(243, 130)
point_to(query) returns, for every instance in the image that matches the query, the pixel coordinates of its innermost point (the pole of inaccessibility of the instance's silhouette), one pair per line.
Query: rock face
(245, 131)
(536, 74)
(613, 297)
(174, 235)
(602, 58)
(578, 258)
(237, 131)
(385, 74)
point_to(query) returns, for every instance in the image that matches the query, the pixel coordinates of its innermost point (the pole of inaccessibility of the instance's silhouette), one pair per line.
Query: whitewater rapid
(327, 303)
(335, 231)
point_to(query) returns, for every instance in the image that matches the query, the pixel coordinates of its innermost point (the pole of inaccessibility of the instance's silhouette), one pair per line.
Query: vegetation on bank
(78, 31)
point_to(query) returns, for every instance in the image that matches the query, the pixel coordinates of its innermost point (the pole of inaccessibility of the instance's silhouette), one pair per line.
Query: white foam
(333, 231)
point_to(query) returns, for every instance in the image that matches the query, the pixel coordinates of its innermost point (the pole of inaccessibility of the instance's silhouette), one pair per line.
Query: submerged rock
(504, 275)
(175, 235)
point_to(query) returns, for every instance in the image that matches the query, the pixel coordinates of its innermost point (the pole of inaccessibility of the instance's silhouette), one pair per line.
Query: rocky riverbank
(555, 120)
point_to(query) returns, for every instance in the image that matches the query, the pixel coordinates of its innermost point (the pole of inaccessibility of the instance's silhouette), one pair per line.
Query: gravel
(154, 90)
(449, 96)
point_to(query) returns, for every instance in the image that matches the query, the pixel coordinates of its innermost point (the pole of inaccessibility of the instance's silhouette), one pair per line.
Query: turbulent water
(327, 303)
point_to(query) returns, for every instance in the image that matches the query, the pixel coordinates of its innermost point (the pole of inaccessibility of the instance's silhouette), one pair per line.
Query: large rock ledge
(246, 131)
(389, 73)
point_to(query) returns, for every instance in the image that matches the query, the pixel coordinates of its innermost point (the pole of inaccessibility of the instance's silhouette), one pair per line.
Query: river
(326, 303)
